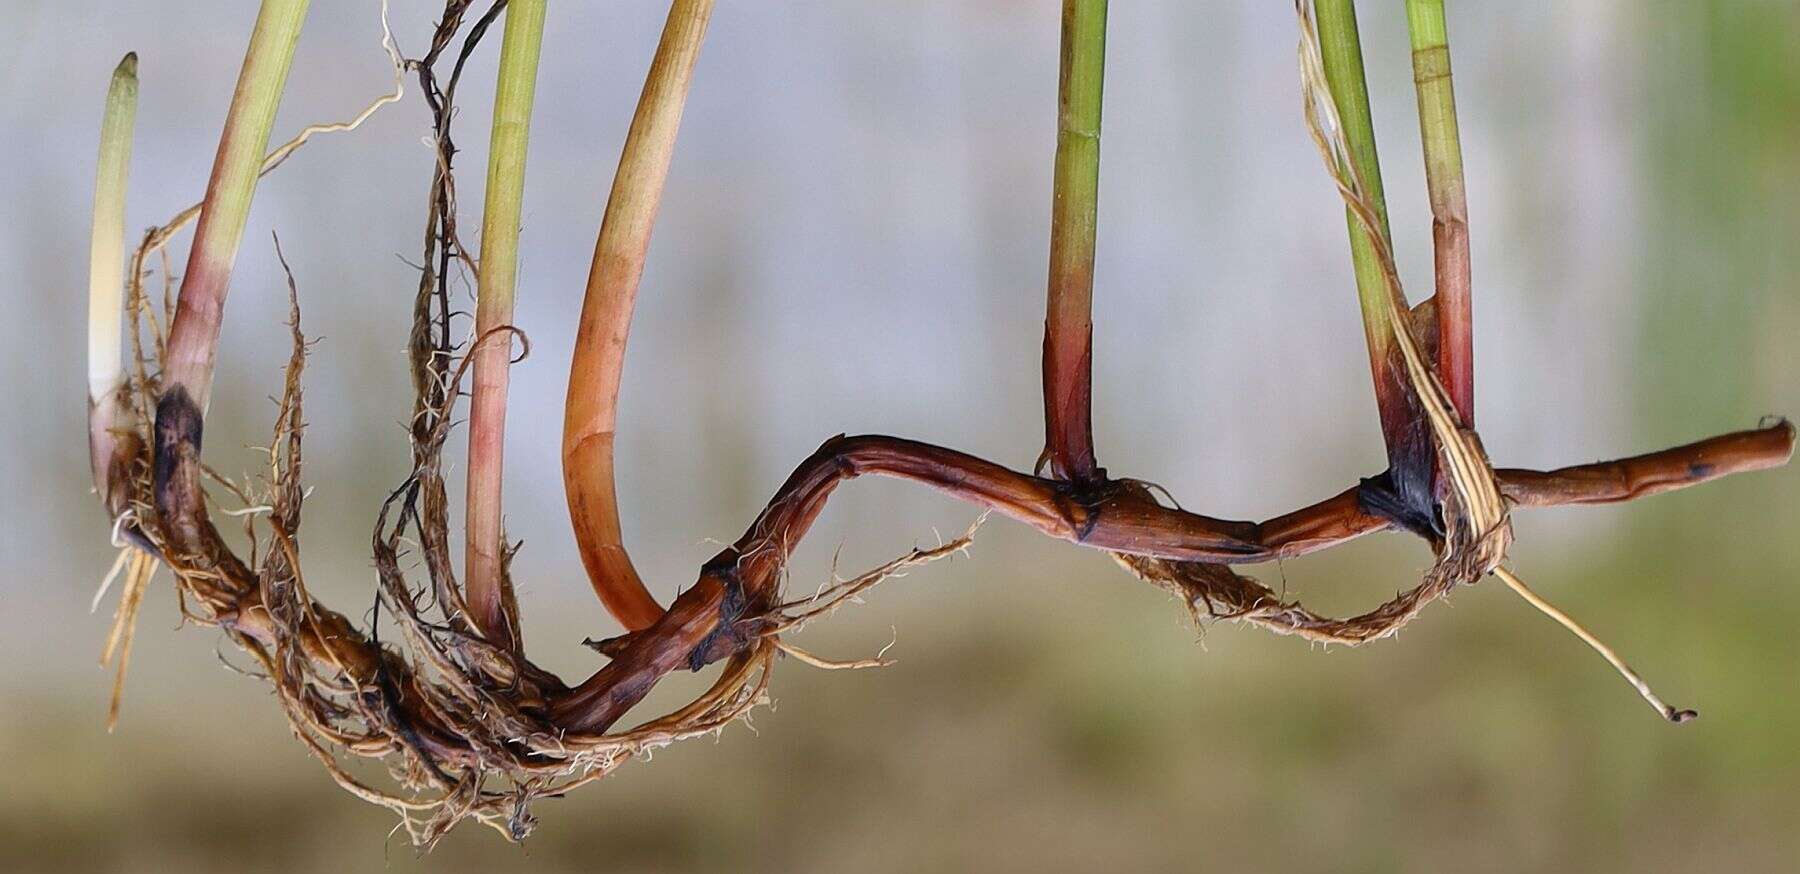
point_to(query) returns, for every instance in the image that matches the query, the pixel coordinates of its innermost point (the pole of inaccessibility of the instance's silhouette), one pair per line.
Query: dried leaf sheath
(590, 420)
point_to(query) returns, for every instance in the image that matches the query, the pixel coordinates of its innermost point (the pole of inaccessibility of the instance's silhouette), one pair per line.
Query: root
(794, 615)
(139, 568)
(1606, 652)
(469, 730)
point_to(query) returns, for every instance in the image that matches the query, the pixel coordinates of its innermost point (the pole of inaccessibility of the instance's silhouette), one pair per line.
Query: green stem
(1068, 323)
(192, 344)
(1403, 424)
(106, 278)
(491, 605)
(1449, 201)
(194, 335)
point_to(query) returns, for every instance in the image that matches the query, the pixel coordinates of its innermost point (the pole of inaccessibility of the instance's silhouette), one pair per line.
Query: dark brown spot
(725, 638)
(175, 464)
(1413, 509)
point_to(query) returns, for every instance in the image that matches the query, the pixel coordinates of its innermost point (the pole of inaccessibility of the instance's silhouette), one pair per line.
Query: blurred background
(854, 239)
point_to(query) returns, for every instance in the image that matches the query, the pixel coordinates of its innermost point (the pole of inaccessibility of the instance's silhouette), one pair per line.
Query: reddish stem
(1442, 143)
(1626, 479)
(1068, 397)
(590, 420)
(1068, 322)
(699, 627)
(492, 605)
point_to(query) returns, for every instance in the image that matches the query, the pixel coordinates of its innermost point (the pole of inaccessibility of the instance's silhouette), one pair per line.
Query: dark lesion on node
(175, 469)
(727, 638)
(1379, 497)
(1081, 501)
(179, 424)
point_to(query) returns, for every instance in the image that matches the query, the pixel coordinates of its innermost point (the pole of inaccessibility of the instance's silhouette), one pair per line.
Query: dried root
(463, 725)
(469, 730)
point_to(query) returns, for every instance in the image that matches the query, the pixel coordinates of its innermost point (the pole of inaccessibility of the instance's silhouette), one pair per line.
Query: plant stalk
(108, 412)
(1403, 425)
(1449, 202)
(193, 339)
(1134, 523)
(488, 591)
(590, 420)
(1068, 323)
(194, 335)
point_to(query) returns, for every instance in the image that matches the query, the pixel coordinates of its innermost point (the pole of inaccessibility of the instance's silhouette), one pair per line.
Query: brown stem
(645, 657)
(1325, 524)
(719, 615)
(591, 415)
(698, 628)
(745, 575)
(331, 639)
(1343, 517)
(1626, 479)
(1122, 517)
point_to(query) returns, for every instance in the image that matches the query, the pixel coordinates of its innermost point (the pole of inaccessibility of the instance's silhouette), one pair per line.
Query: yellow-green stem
(489, 596)
(106, 277)
(194, 334)
(1403, 424)
(590, 418)
(1068, 323)
(1449, 201)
